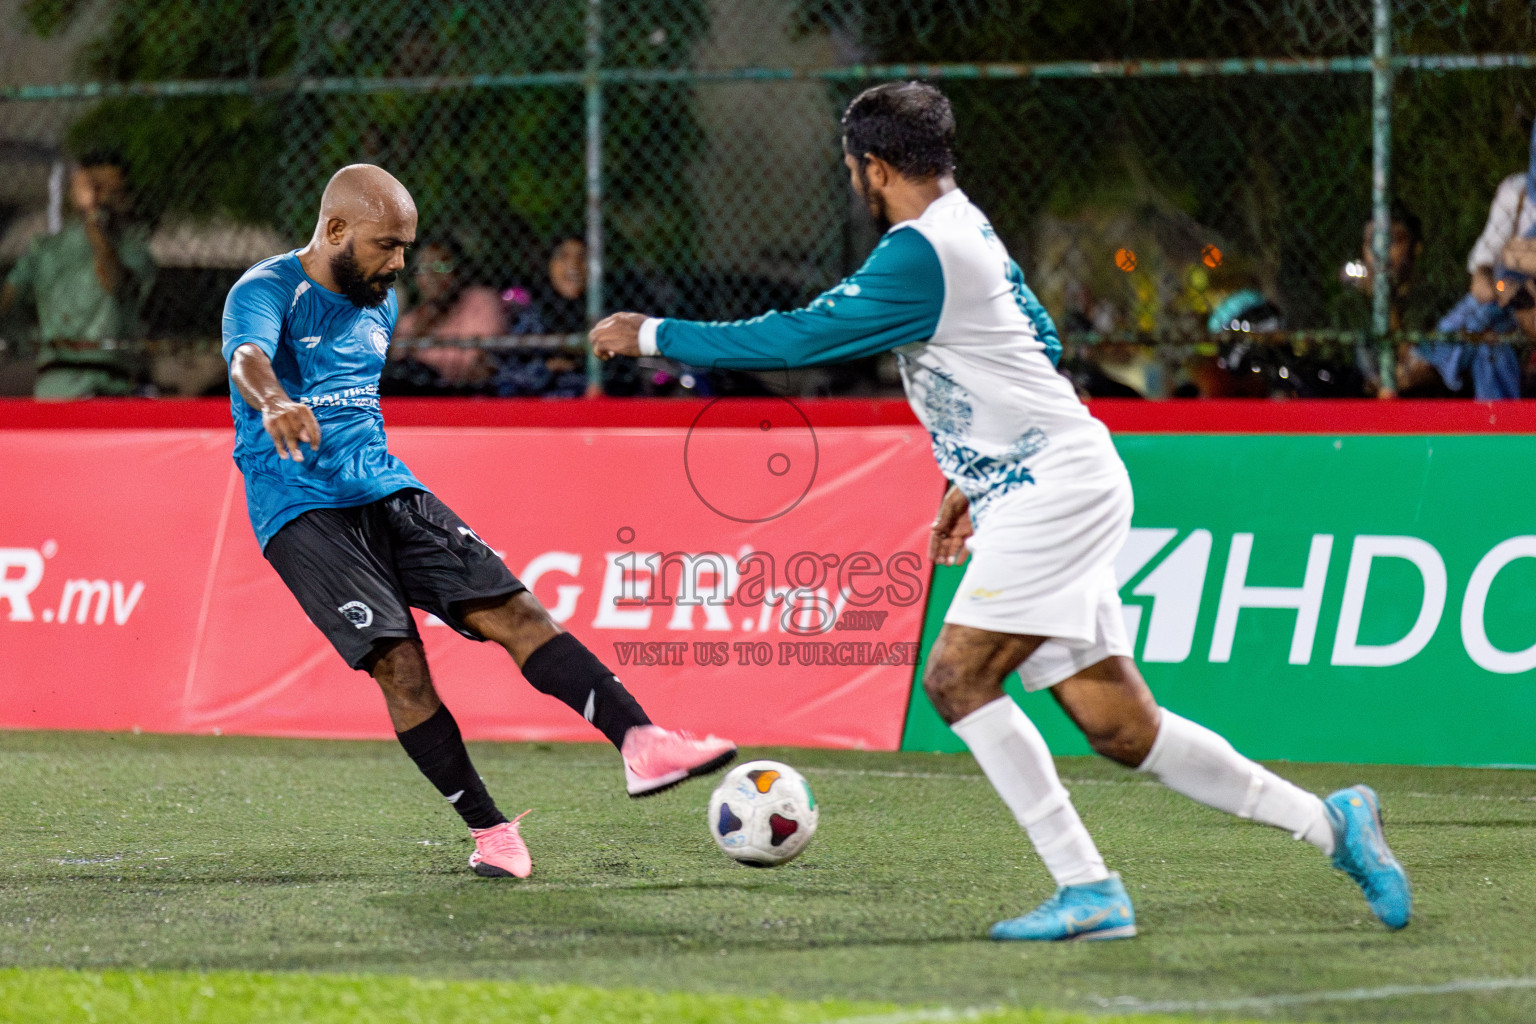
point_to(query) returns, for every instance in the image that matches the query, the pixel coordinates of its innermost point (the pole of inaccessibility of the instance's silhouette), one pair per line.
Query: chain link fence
(1187, 185)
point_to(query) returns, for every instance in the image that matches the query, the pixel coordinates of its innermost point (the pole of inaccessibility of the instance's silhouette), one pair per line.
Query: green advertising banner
(1323, 598)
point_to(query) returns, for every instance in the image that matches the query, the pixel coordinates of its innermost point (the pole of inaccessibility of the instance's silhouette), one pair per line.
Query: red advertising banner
(764, 582)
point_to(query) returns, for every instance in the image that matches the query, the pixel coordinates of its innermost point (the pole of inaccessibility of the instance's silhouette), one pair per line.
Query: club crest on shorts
(357, 613)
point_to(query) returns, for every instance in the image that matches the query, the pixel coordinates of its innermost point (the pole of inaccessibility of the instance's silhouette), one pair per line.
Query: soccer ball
(762, 814)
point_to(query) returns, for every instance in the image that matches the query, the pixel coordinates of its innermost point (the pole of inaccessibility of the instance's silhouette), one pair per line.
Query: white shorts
(1042, 564)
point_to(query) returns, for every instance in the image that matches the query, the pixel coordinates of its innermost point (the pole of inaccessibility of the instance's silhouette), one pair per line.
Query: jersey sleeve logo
(828, 299)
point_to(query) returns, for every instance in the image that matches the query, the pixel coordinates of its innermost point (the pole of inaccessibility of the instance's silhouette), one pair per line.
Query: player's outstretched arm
(289, 423)
(895, 299)
(946, 541)
(617, 335)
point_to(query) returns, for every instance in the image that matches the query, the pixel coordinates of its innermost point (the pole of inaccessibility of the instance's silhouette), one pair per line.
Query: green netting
(1142, 160)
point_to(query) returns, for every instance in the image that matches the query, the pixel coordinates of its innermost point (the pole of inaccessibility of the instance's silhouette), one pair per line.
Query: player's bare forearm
(617, 335)
(951, 527)
(289, 423)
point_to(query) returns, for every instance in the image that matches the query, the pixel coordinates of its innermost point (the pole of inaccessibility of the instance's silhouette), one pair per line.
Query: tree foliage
(502, 167)
(1278, 165)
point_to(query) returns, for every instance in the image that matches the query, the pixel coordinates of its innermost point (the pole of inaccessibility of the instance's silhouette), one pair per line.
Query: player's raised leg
(964, 679)
(341, 566)
(446, 569)
(1112, 705)
(556, 663)
(429, 734)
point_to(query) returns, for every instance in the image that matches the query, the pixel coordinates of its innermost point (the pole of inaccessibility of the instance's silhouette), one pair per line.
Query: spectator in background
(1512, 215)
(87, 285)
(1494, 369)
(556, 305)
(1404, 247)
(1522, 306)
(1247, 364)
(1415, 376)
(450, 308)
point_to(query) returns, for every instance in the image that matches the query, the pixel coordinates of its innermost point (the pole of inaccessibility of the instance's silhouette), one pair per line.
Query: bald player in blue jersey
(360, 540)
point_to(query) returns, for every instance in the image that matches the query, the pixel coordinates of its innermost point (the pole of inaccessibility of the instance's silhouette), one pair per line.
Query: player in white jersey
(1039, 497)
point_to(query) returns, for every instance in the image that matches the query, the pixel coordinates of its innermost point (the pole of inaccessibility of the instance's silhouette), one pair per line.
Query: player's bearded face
(874, 199)
(362, 289)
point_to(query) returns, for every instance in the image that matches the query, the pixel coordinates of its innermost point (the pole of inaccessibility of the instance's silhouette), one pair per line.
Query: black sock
(567, 671)
(438, 750)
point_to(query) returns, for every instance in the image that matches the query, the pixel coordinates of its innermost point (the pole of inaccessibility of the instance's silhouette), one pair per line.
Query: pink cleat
(656, 759)
(500, 851)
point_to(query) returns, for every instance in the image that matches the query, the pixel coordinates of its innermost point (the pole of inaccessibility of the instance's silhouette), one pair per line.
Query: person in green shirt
(87, 285)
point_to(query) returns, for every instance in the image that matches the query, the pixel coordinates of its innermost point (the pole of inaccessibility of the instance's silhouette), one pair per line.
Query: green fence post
(594, 124)
(1381, 210)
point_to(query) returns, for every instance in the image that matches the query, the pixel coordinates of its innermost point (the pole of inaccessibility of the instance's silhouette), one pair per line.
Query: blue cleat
(1077, 913)
(1360, 851)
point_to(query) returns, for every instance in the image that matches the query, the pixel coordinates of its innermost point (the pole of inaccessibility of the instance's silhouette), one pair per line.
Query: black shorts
(358, 572)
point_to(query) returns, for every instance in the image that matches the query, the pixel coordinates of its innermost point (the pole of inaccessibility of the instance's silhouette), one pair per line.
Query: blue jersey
(328, 354)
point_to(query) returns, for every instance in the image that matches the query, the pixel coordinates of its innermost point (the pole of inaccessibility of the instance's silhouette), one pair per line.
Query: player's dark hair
(909, 125)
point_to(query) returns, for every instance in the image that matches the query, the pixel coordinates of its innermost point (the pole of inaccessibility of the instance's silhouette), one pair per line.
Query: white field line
(876, 773)
(1242, 1003)
(942, 1013)
(1467, 796)
(1353, 995)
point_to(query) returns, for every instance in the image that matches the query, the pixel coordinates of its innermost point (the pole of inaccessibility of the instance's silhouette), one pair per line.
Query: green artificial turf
(50, 995)
(147, 853)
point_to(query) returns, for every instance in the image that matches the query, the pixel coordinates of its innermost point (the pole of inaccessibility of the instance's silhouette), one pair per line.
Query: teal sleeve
(253, 313)
(894, 299)
(1044, 327)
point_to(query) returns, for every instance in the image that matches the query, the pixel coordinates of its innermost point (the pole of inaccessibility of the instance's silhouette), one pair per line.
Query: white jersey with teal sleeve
(977, 352)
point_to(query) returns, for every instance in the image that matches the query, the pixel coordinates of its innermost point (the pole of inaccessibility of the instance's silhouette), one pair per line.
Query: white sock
(1193, 760)
(1017, 762)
